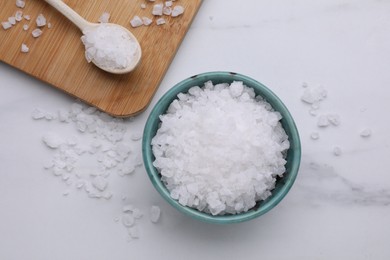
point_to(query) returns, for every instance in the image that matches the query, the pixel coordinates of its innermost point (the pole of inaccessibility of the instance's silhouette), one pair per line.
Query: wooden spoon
(84, 26)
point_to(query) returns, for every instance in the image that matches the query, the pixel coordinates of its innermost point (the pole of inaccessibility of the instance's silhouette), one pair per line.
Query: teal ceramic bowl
(283, 184)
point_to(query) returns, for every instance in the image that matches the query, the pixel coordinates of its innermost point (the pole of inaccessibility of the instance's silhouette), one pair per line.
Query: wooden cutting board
(57, 56)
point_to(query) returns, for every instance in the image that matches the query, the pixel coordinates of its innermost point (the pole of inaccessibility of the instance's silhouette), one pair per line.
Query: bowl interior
(283, 184)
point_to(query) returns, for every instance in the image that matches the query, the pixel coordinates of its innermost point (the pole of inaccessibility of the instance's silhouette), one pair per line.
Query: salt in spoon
(85, 26)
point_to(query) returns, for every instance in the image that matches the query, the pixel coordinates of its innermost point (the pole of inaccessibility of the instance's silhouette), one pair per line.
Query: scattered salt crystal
(314, 95)
(20, 3)
(6, 25)
(337, 151)
(168, 3)
(137, 213)
(323, 121)
(158, 9)
(136, 21)
(104, 18)
(49, 25)
(143, 6)
(133, 232)
(228, 179)
(12, 20)
(167, 10)
(147, 21)
(128, 220)
(27, 17)
(365, 133)
(24, 48)
(52, 140)
(18, 15)
(160, 21)
(41, 20)
(25, 27)
(66, 193)
(109, 47)
(128, 208)
(99, 183)
(36, 33)
(334, 119)
(177, 10)
(155, 214)
(315, 136)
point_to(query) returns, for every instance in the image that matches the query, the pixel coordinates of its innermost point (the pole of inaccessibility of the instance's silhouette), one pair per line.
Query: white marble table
(339, 207)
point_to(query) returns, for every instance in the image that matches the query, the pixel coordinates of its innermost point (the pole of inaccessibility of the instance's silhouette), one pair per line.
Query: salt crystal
(334, 119)
(177, 10)
(52, 140)
(6, 25)
(38, 113)
(313, 95)
(147, 21)
(155, 214)
(18, 15)
(41, 20)
(160, 21)
(49, 25)
(100, 183)
(365, 133)
(337, 151)
(66, 193)
(158, 9)
(168, 3)
(12, 20)
(27, 17)
(104, 18)
(167, 10)
(25, 27)
(36, 33)
(128, 220)
(136, 21)
(323, 121)
(137, 213)
(315, 136)
(128, 208)
(20, 3)
(143, 6)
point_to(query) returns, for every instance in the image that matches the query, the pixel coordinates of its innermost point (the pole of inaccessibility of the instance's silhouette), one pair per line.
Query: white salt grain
(147, 21)
(315, 136)
(18, 15)
(314, 95)
(136, 22)
(49, 25)
(41, 20)
(12, 20)
(36, 33)
(27, 17)
(25, 27)
(160, 21)
(155, 212)
(52, 140)
(143, 6)
(100, 183)
(365, 133)
(158, 9)
(104, 18)
(24, 48)
(20, 3)
(6, 25)
(167, 10)
(208, 148)
(177, 10)
(168, 3)
(334, 119)
(128, 220)
(109, 47)
(323, 121)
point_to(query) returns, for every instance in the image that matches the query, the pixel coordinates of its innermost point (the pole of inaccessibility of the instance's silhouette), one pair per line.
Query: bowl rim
(183, 86)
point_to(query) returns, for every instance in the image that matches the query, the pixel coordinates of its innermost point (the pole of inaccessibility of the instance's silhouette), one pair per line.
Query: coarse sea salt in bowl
(221, 148)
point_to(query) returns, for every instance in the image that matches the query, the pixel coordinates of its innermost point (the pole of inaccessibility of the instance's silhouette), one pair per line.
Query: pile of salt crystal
(220, 148)
(109, 47)
(88, 162)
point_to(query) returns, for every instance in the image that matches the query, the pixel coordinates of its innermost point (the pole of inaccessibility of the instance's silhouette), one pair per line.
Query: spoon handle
(69, 13)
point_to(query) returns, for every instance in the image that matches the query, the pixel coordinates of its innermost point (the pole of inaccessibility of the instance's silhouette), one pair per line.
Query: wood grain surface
(57, 56)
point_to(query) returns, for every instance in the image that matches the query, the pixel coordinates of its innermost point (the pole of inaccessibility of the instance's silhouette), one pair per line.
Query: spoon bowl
(86, 26)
